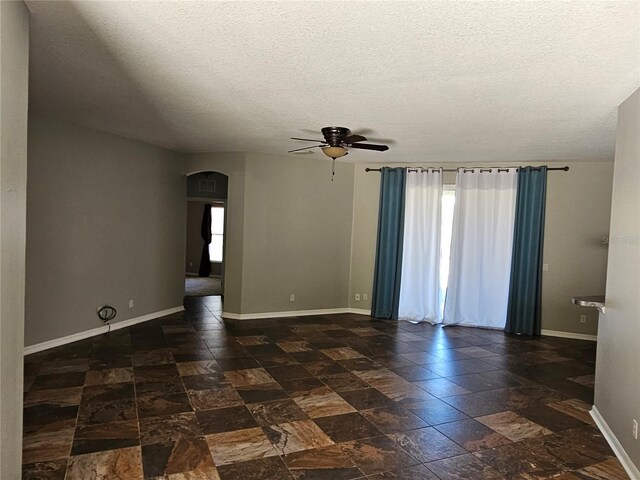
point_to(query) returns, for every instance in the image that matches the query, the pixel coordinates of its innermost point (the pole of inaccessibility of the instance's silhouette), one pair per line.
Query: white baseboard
(362, 311)
(626, 462)
(577, 336)
(38, 347)
(290, 313)
(293, 313)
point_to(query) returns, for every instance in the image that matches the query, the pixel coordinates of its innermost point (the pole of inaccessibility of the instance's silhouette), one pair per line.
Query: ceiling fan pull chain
(333, 168)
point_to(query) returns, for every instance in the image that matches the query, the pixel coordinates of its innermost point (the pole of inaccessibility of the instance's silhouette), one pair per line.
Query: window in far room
(217, 232)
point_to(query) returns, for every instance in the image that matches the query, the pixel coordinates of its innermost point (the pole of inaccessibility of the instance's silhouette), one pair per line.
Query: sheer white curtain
(480, 268)
(420, 285)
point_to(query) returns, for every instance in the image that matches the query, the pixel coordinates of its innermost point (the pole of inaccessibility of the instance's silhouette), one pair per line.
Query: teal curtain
(388, 266)
(525, 289)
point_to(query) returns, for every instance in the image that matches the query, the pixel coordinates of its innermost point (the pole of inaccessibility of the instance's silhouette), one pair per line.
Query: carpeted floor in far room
(202, 286)
(337, 397)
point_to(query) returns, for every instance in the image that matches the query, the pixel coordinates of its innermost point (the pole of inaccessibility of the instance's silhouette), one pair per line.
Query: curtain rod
(466, 169)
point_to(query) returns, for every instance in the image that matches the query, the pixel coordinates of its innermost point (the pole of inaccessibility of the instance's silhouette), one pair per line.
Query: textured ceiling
(446, 81)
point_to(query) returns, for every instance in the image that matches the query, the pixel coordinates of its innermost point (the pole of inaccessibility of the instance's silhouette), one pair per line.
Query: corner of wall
(353, 223)
(617, 388)
(14, 66)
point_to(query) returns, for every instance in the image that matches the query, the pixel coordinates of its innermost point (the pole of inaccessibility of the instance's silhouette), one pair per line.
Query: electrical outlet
(635, 429)
(365, 296)
(292, 297)
(583, 319)
(357, 297)
(130, 303)
(191, 264)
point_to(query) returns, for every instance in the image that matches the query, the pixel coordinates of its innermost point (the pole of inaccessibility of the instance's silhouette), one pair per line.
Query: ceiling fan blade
(308, 140)
(368, 146)
(385, 141)
(362, 131)
(353, 139)
(303, 148)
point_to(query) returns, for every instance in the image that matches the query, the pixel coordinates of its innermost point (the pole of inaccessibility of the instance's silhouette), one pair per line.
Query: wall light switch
(365, 296)
(292, 298)
(130, 303)
(545, 267)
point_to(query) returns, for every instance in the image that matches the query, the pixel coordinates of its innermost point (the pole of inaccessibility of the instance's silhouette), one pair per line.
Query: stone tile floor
(190, 397)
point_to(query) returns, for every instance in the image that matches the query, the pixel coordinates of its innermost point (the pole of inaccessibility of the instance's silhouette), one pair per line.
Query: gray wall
(578, 205)
(288, 231)
(618, 363)
(105, 224)
(297, 230)
(577, 217)
(221, 183)
(14, 61)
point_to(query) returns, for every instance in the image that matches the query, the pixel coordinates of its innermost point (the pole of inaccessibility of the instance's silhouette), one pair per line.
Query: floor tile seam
(440, 396)
(458, 409)
(277, 455)
(75, 426)
(255, 418)
(524, 439)
(358, 389)
(118, 422)
(453, 440)
(253, 357)
(65, 458)
(370, 384)
(336, 444)
(418, 462)
(209, 349)
(186, 392)
(286, 465)
(108, 449)
(558, 463)
(135, 399)
(426, 464)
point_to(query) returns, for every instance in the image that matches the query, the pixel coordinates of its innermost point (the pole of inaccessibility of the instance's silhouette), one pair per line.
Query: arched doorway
(205, 236)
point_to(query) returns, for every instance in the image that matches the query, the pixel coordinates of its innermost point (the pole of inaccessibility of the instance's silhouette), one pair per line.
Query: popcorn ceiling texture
(448, 81)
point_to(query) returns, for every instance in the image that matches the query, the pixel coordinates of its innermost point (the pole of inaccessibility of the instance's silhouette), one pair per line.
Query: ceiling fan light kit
(336, 144)
(334, 152)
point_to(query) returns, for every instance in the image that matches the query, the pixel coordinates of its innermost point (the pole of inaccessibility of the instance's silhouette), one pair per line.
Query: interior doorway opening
(205, 235)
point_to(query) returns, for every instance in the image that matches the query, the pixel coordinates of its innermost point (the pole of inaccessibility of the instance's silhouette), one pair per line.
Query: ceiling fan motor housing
(335, 135)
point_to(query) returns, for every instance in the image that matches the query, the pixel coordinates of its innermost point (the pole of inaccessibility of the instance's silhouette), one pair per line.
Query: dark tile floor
(190, 397)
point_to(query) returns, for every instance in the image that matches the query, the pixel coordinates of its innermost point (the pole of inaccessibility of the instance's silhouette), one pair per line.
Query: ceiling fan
(337, 142)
